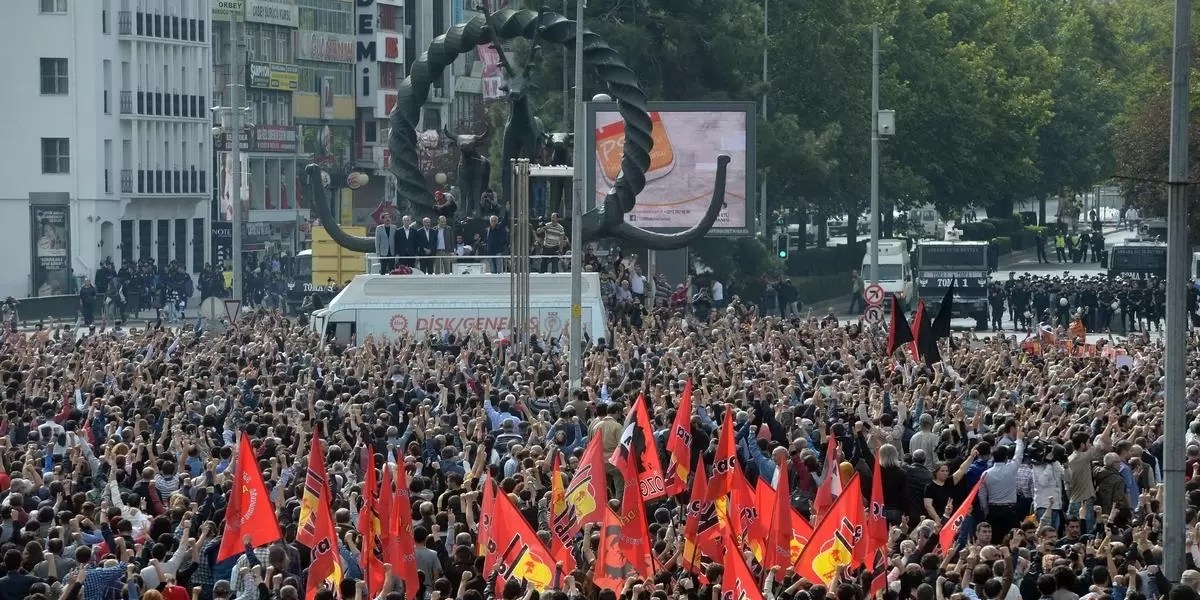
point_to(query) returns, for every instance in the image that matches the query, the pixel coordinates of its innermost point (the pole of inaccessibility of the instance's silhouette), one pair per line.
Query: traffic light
(781, 245)
(781, 222)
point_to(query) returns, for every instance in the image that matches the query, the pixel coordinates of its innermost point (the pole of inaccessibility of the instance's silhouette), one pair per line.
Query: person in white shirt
(717, 292)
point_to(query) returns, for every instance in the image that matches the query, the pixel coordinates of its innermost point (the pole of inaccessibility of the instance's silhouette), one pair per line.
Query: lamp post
(575, 369)
(883, 123)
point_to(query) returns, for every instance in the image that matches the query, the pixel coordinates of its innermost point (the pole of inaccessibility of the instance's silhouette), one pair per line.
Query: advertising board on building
(272, 13)
(320, 46)
(274, 76)
(51, 240)
(283, 139)
(366, 73)
(688, 138)
(224, 10)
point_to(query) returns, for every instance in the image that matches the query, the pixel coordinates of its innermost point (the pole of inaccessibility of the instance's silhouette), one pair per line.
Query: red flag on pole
(405, 565)
(875, 534)
(832, 543)
(638, 439)
(370, 530)
(831, 481)
(954, 523)
(738, 582)
(249, 512)
(559, 547)
(679, 445)
(584, 499)
(316, 525)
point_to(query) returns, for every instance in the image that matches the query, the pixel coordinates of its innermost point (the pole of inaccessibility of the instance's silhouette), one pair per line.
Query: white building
(106, 117)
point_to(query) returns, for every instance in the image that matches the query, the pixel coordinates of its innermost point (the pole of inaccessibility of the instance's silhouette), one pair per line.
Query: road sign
(874, 315)
(232, 308)
(874, 294)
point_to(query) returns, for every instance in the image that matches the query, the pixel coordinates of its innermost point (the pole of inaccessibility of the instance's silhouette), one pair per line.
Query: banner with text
(51, 250)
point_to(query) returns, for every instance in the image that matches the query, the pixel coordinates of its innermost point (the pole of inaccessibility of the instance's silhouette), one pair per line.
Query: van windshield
(886, 272)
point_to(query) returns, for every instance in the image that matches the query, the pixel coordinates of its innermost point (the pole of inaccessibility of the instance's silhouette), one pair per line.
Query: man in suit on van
(426, 244)
(385, 244)
(406, 242)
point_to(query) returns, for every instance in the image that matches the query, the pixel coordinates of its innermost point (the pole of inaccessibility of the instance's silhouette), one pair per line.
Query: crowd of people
(120, 452)
(1103, 304)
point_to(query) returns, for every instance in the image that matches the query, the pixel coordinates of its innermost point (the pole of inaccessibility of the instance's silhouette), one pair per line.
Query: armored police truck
(1137, 259)
(963, 265)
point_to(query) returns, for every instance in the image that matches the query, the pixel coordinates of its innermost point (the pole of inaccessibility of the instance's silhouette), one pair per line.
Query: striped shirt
(555, 234)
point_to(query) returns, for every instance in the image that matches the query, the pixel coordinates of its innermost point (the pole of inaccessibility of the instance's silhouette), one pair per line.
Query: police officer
(996, 300)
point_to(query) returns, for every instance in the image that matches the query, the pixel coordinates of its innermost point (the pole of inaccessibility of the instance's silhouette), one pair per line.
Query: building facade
(106, 110)
(267, 78)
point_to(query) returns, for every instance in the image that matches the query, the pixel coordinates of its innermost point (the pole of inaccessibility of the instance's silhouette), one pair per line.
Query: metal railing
(452, 264)
(126, 181)
(125, 22)
(126, 102)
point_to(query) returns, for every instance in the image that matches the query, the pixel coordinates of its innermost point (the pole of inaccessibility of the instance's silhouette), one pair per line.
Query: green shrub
(1004, 244)
(835, 260)
(981, 231)
(822, 287)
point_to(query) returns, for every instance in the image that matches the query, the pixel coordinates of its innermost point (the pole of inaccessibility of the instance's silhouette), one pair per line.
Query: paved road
(1021, 262)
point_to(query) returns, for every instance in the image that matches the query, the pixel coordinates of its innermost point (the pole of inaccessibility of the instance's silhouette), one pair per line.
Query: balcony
(125, 22)
(126, 102)
(126, 181)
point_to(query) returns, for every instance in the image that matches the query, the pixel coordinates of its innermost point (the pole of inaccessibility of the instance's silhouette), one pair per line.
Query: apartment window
(54, 76)
(283, 45)
(198, 234)
(283, 109)
(54, 6)
(56, 155)
(126, 240)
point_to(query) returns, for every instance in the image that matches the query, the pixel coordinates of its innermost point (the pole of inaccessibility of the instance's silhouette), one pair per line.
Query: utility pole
(762, 194)
(1177, 282)
(566, 77)
(874, 275)
(575, 370)
(236, 49)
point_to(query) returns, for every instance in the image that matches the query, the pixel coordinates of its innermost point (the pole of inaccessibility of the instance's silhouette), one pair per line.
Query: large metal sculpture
(474, 166)
(608, 218)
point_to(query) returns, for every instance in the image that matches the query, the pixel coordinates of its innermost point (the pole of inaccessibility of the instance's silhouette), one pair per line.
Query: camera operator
(1047, 463)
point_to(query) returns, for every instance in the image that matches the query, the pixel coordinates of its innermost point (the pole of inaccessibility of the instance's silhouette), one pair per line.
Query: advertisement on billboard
(320, 46)
(51, 250)
(274, 76)
(272, 13)
(224, 10)
(688, 137)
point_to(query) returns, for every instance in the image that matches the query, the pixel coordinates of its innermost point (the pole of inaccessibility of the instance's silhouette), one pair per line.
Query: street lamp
(883, 123)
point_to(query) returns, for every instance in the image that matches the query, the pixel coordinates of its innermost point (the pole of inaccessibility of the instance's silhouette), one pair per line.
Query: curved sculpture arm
(314, 190)
(671, 241)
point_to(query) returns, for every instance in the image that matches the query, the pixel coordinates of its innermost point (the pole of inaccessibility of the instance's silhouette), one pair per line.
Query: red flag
(316, 525)
(749, 524)
(249, 512)
(514, 549)
(833, 542)
(738, 582)
(638, 439)
(389, 524)
(487, 508)
(800, 532)
(404, 564)
(725, 460)
(635, 537)
(679, 445)
(782, 536)
(831, 481)
(696, 506)
(586, 496)
(369, 528)
(919, 319)
(875, 533)
(954, 523)
(560, 548)
(612, 569)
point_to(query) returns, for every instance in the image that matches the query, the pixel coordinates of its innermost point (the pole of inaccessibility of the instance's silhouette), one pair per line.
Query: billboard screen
(688, 137)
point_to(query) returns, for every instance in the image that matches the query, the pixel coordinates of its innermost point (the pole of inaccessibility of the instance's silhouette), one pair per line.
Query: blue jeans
(496, 265)
(1089, 515)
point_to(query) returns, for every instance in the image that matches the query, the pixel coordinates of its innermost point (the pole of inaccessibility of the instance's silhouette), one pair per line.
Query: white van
(421, 306)
(895, 272)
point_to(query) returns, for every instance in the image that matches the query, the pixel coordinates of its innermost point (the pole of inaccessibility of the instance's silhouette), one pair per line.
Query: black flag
(926, 341)
(900, 333)
(941, 323)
